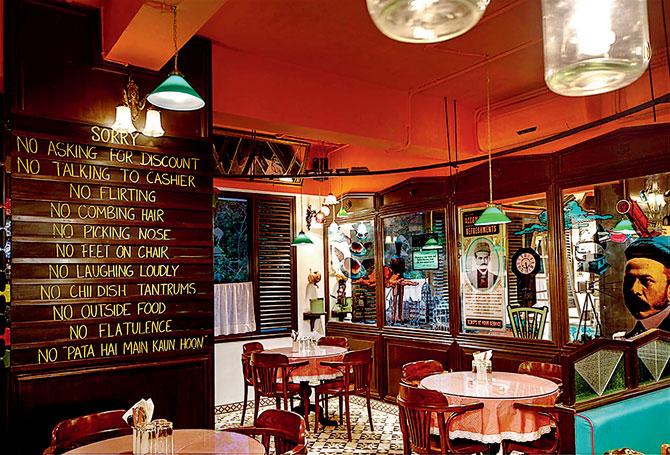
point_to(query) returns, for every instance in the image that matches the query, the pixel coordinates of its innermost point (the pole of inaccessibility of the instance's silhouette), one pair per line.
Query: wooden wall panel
(402, 351)
(137, 229)
(177, 387)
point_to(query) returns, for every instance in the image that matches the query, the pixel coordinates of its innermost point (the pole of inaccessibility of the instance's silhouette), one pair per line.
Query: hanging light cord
(488, 127)
(174, 36)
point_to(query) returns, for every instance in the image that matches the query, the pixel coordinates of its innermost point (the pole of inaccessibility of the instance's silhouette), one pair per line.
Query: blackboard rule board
(111, 249)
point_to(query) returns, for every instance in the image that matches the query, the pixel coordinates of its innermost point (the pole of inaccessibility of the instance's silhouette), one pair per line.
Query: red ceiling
(339, 37)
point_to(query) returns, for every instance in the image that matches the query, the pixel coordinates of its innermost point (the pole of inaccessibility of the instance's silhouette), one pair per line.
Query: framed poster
(483, 283)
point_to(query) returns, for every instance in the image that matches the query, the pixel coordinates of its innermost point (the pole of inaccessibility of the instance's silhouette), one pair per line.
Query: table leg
(323, 419)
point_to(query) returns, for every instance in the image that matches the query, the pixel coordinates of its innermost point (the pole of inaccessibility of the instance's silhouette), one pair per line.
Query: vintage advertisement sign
(483, 281)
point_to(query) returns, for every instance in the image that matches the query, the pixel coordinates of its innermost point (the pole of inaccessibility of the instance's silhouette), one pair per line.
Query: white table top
(185, 441)
(500, 386)
(305, 353)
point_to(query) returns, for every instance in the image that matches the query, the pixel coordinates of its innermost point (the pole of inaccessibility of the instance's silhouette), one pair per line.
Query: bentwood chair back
(247, 349)
(416, 409)
(72, 433)
(356, 371)
(549, 443)
(341, 342)
(414, 372)
(271, 373)
(550, 371)
(286, 428)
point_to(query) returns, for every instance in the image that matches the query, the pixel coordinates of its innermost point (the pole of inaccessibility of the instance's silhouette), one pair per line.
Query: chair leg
(305, 404)
(325, 405)
(257, 400)
(346, 411)
(369, 410)
(277, 402)
(316, 411)
(340, 405)
(244, 404)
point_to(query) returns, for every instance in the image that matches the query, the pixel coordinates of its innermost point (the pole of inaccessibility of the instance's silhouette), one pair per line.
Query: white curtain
(234, 308)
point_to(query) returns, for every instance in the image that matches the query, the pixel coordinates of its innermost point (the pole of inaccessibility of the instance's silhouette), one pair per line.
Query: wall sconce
(128, 112)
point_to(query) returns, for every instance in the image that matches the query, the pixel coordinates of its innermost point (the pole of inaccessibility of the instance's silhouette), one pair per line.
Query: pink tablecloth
(185, 441)
(314, 372)
(498, 420)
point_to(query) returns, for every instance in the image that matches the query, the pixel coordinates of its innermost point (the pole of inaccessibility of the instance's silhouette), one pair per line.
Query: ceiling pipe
(562, 135)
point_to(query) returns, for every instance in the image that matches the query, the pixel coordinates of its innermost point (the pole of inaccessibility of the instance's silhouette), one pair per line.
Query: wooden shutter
(275, 277)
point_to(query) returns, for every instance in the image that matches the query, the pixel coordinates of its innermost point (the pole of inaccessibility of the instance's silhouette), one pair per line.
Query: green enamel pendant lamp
(175, 93)
(492, 214)
(301, 239)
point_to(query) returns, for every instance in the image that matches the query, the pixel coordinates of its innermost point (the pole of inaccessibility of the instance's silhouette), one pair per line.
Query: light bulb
(325, 209)
(592, 24)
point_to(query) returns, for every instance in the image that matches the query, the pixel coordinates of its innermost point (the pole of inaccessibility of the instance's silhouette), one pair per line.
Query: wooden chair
(286, 428)
(271, 373)
(416, 408)
(414, 372)
(527, 322)
(247, 349)
(356, 370)
(72, 433)
(548, 443)
(341, 342)
(550, 371)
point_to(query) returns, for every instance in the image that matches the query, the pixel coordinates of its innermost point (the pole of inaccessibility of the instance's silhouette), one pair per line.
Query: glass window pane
(617, 238)
(504, 271)
(416, 285)
(231, 240)
(352, 271)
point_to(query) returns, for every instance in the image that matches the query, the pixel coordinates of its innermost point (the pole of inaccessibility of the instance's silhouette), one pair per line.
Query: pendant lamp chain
(174, 36)
(488, 127)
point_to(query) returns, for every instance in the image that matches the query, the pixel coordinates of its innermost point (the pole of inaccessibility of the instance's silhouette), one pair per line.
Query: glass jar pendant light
(175, 93)
(425, 21)
(594, 46)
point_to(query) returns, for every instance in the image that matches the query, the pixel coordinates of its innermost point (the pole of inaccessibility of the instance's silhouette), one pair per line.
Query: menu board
(111, 249)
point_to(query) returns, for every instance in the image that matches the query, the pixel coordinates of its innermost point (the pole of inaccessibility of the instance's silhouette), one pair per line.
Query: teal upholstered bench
(641, 423)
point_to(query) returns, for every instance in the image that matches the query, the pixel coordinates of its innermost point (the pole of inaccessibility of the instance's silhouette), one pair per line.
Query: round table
(498, 420)
(185, 441)
(314, 372)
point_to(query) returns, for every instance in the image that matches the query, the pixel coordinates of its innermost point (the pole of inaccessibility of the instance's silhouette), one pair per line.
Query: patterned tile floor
(386, 439)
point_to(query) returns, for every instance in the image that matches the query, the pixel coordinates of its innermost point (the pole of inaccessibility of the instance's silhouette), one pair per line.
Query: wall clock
(526, 264)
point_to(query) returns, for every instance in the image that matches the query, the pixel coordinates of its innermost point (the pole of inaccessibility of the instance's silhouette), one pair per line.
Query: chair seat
(334, 387)
(293, 388)
(539, 446)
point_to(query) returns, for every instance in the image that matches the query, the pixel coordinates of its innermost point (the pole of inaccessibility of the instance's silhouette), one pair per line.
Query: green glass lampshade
(301, 239)
(492, 215)
(176, 94)
(431, 244)
(342, 212)
(624, 227)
